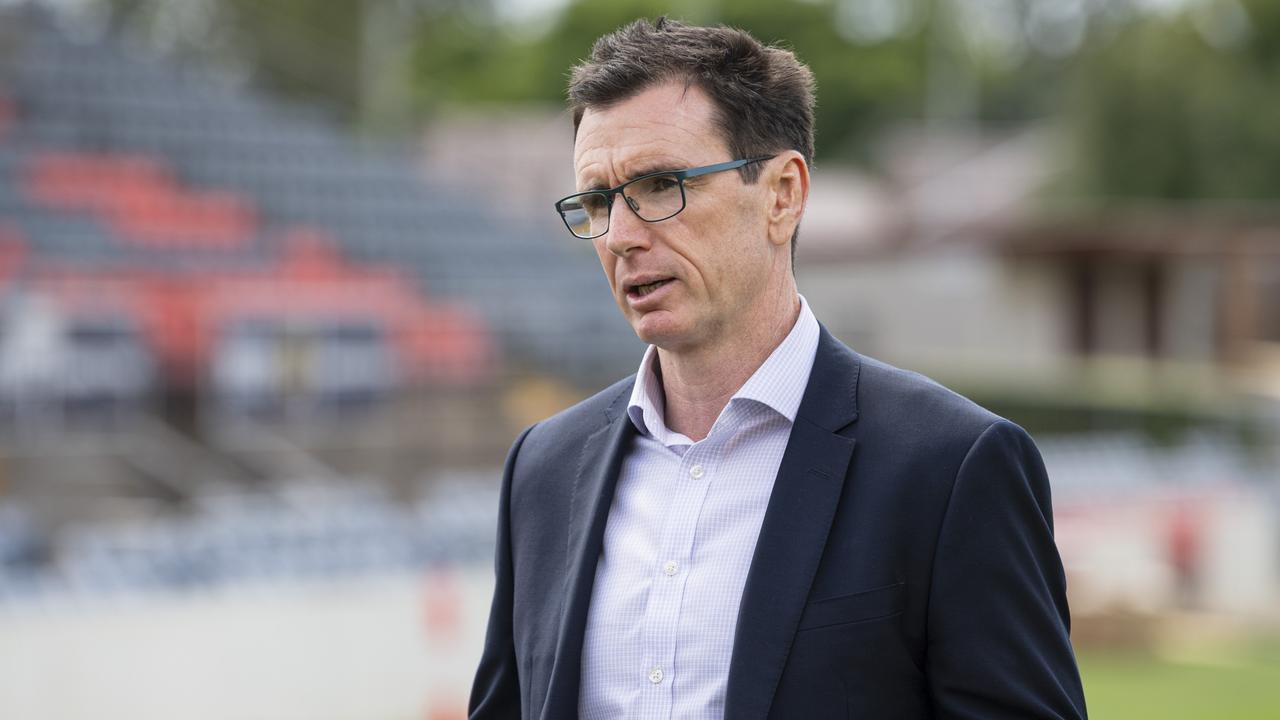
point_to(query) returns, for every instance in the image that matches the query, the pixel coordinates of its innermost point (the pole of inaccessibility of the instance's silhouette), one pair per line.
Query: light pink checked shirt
(679, 540)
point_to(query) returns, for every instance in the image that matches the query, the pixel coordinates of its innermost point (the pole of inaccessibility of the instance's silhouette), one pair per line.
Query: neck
(699, 383)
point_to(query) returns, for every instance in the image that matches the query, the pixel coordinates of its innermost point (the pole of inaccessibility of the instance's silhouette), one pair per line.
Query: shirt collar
(778, 383)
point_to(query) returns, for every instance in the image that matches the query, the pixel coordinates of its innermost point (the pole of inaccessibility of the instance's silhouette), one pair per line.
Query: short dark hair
(763, 95)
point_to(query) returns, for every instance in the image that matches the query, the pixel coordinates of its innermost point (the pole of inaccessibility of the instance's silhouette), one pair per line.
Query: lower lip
(644, 302)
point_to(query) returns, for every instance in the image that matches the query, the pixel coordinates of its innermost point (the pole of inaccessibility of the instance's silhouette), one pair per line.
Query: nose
(627, 232)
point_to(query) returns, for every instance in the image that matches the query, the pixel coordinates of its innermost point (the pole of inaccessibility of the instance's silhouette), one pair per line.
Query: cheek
(736, 255)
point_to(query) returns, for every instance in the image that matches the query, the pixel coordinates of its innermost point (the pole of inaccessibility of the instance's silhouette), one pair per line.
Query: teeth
(643, 290)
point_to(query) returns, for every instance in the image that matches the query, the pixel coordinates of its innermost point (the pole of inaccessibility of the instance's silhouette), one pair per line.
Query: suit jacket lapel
(594, 484)
(794, 533)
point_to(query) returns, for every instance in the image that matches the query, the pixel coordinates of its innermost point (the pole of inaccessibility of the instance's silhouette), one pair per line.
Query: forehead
(664, 127)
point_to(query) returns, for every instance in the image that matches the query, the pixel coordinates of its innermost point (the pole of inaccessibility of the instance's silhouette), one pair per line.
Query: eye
(656, 185)
(595, 204)
(662, 183)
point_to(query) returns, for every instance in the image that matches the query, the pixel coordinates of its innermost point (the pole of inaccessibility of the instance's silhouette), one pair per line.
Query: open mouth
(642, 290)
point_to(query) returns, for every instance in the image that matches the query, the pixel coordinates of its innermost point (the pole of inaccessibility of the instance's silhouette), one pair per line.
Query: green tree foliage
(299, 48)
(866, 80)
(464, 59)
(433, 54)
(1171, 104)
(303, 52)
(1182, 107)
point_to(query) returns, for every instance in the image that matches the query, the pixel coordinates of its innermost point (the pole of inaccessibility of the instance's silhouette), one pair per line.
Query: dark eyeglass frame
(679, 175)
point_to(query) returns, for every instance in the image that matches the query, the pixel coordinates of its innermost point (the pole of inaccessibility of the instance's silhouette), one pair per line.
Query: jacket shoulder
(912, 404)
(589, 414)
(567, 429)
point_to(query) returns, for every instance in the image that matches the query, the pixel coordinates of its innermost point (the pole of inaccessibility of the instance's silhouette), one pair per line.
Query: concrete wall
(958, 308)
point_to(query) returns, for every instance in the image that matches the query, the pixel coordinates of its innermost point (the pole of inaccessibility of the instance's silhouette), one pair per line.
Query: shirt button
(671, 567)
(697, 472)
(655, 675)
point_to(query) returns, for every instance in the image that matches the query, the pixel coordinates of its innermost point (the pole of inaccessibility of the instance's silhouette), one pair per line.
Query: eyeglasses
(653, 197)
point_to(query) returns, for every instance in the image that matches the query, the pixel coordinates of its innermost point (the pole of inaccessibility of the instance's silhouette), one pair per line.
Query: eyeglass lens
(652, 198)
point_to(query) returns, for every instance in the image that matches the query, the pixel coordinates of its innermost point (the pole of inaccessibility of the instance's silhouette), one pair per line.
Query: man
(761, 522)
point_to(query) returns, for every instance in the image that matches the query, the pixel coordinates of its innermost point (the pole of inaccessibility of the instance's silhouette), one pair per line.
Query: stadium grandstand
(236, 340)
(124, 170)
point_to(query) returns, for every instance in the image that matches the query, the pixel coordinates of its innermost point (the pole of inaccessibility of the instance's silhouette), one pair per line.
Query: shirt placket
(670, 573)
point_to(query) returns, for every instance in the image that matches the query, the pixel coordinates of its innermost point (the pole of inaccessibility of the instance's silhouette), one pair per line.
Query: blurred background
(280, 282)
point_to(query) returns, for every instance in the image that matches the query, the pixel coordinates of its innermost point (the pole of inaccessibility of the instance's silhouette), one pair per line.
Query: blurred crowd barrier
(386, 646)
(1147, 529)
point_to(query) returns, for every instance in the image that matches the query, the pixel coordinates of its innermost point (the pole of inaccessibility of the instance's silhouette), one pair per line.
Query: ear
(788, 184)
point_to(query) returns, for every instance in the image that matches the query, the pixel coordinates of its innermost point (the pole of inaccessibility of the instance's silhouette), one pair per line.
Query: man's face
(712, 261)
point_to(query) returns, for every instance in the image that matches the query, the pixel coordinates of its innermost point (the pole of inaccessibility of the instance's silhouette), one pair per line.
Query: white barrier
(361, 649)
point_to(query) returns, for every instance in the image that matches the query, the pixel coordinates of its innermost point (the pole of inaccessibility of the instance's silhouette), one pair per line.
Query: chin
(662, 332)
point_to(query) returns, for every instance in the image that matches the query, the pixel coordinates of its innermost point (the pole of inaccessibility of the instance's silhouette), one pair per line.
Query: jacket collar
(793, 536)
(595, 480)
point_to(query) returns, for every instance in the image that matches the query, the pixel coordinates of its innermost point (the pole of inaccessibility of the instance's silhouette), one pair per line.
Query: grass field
(1243, 684)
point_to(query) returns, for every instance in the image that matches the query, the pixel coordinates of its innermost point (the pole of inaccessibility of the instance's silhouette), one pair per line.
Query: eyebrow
(646, 169)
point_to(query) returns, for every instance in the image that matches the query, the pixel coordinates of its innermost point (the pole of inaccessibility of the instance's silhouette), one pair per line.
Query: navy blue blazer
(905, 568)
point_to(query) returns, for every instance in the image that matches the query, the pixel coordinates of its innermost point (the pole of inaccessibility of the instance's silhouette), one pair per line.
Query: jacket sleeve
(998, 632)
(495, 693)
